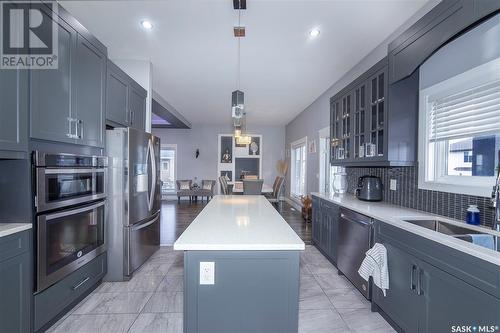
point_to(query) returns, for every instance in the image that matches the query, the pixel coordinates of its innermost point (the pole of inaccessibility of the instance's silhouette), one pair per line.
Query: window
(460, 131)
(168, 168)
(325, 169)
(298, 168)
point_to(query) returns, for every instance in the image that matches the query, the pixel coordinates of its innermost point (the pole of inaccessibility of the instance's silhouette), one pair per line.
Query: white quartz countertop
(396, 216)
(243, 222)
(11, 228)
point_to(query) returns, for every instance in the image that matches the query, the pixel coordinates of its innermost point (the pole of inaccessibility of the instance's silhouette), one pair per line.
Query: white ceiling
(194, 53)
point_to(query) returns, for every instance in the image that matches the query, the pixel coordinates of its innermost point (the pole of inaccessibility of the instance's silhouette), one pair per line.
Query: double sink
(450, 229)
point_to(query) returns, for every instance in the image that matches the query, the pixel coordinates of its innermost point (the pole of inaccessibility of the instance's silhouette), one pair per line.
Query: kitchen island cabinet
(241, 268)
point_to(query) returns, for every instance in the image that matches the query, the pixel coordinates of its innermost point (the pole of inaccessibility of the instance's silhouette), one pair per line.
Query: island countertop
(239, 223)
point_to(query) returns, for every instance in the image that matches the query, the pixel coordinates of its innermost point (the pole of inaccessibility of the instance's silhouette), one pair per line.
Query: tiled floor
(152, 300)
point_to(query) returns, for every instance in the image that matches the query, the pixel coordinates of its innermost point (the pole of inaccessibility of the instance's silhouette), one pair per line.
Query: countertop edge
(456, 244)
(233, 247)
(7, 229)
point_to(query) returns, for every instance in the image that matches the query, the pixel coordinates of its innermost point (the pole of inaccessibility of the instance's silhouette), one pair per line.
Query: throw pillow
(184, 185)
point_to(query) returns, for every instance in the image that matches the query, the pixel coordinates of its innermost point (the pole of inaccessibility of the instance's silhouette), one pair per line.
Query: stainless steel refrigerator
(133, 220)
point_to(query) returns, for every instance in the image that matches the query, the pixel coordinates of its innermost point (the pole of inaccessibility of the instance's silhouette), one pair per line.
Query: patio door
(168, 168)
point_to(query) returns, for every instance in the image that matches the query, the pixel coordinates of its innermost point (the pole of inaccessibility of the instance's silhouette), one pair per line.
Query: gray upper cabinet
(117, 110)
(67, 103)
(408, 51)
(52, 93)
(90, 85)
(13, 113)
(125, 99)
(137, 101)
(368, 128)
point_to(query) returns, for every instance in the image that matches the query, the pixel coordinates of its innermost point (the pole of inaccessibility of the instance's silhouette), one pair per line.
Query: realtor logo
(28, 35)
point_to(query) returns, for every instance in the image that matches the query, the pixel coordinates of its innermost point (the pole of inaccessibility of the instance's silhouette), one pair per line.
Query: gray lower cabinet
(427, 288)
(325, 221)
(13, 113)
(254, 291)
(90, 84)
(51, 302)
(137, 101)
(449, 301)
(15, 282)
(67, 103)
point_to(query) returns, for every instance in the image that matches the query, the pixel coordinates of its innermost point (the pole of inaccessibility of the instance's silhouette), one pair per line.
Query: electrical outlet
(393, 185)
(207, 272)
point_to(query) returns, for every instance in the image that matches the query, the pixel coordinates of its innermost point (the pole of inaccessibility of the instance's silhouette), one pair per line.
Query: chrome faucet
(496, 199)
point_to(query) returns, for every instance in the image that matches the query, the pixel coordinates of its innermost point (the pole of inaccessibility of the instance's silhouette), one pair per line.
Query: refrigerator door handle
(153, 176)
(144, 225)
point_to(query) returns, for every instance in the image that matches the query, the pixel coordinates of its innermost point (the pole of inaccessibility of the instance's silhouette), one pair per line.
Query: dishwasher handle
(363, 222)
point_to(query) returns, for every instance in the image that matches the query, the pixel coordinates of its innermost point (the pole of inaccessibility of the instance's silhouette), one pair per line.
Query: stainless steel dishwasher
(355, 238)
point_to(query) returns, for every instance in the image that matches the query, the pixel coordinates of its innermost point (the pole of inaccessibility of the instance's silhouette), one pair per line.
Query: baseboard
(293, 203)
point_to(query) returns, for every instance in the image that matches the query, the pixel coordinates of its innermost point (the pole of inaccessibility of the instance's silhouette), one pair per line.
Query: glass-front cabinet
(377, 114)
(358, 117)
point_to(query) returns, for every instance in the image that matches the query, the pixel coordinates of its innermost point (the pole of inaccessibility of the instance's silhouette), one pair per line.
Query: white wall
(205, 138)
(142, 72)
(317, 115)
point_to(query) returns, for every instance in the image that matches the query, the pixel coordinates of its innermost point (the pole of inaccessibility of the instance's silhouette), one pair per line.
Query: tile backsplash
(408, 194)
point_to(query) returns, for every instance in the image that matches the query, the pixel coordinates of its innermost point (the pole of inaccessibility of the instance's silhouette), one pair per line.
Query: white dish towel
(375, 265)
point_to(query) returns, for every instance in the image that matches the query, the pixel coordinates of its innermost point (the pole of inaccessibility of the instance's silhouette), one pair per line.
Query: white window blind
(471, 112)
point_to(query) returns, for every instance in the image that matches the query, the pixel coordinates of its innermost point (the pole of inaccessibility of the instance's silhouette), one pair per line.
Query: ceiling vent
(239, 31)
(239, 4)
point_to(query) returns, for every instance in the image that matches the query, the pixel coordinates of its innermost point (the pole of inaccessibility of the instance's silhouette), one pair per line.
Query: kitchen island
(241, 268)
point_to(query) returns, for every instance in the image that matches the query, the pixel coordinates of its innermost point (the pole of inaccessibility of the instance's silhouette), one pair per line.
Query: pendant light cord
(239, 49)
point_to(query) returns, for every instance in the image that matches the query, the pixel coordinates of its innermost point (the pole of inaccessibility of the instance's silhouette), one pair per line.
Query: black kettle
(369, 188)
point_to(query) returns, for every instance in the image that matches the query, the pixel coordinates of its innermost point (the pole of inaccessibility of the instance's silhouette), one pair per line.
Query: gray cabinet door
(316, 221)
(15, 294)
(13, 110)
(333, 222)
(449, 301)
(117, 109)
(402, 303)
(52, 94)
(423, 38)
(90, 83)
(137, 105)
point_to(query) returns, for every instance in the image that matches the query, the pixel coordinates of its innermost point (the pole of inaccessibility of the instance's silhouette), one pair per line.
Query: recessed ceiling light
(147, 24)
(314, 33)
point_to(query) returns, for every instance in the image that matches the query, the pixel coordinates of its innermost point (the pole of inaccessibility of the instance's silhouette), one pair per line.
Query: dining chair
(223, 185)
(252, 186)
(274, 197)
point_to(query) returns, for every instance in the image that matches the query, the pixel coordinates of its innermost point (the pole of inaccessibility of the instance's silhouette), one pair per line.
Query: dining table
(238, 187)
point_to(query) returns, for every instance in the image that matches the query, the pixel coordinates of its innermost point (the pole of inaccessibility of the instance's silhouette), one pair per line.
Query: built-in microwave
(63, 180)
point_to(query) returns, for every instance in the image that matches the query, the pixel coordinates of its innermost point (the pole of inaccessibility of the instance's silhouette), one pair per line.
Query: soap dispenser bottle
(473, 216)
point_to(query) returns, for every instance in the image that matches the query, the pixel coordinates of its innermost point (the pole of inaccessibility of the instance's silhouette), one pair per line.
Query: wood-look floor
(176, 217)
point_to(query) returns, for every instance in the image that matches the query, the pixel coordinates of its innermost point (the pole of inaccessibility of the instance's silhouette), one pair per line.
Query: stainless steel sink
(451, 230)
(443, 227)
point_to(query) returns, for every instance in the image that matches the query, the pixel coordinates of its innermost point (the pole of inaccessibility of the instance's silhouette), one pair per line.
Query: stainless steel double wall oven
(70, 201)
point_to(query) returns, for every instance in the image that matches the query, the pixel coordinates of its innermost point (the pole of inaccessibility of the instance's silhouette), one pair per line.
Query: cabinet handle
(79, 129)
(70, 131)
(81, 283)
(419, 282)
(412, 277)
(131, 117)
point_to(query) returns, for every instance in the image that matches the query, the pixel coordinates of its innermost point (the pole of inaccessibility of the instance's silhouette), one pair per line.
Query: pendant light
(238, 97)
